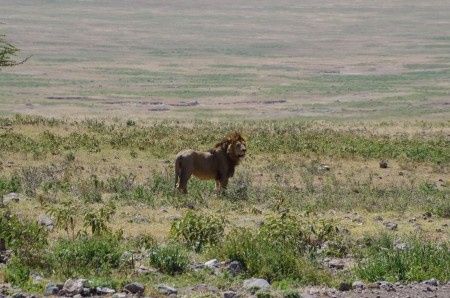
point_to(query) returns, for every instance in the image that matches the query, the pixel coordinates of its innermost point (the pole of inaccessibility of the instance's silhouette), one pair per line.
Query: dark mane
(230, 138)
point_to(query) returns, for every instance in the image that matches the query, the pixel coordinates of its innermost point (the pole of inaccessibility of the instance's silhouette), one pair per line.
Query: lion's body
(218, 163)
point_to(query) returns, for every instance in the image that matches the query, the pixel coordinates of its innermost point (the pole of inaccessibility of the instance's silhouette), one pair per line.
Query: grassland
(322, 91)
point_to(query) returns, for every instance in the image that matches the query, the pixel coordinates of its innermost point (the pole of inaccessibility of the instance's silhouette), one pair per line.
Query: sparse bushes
(170, 258)
(416, 261)
(198, 230)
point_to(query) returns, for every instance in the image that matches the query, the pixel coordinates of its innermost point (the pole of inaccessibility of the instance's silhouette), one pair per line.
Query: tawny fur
(218, 163)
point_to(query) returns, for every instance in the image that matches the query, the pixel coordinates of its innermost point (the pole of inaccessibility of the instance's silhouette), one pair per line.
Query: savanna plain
(344, 190)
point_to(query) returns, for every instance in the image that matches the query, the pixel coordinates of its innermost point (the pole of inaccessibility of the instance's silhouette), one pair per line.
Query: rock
(87, 292)
(119, 295)
(51, 289)
(391, 225)
(345, 286)
(78, 296)
(46, 222)
(230, 294)
(214, 263)
(142, 270)
(73, 287)
(358, 285)
(426, 215)
(166, 290)
(383, 164)
(336, 264)
(11, 197)
(256, 284)
(323, 167)
(235, 268)
(134, 288)
(431, 282)
(387, 286)
(104, 291)
(401, 246)
(19, 295)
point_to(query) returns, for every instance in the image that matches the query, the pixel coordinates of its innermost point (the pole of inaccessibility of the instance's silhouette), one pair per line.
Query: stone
(203, 288)
(46, 222)
(391, 225)
(134, 288)
(358, 285)
(19, 295)
(11, 197)
(230, 294)
(401, 246)
(431, 282)
(142, 270)
(104, 291)
(336, 264)
(256, 284)
(119, 295)
(167, 290)
(387, 286)
(235, 268)
(73, 287)
(51, 289)
(373, 285)
(214, 263)
(345, 286)
(383, 164)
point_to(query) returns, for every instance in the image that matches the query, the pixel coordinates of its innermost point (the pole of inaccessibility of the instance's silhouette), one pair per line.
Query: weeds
(170, 258)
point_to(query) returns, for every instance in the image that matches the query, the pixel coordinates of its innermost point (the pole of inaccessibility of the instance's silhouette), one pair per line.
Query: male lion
(218, 163)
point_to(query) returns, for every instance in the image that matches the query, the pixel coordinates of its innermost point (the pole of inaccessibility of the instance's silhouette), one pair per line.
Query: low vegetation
(307, 192)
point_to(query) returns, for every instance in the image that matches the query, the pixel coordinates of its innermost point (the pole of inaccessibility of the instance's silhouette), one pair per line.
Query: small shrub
(17, 272)
(198, 230)
(97, 220)
(90, 190)
(86, 255)
(170, 258)
(65, 215)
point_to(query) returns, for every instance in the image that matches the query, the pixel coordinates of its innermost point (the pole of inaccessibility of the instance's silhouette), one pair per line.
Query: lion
(218, 163)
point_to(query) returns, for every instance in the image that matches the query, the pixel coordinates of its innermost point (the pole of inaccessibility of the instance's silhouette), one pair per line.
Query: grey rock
(119, 295)
(11, 197)
(74, 287)
(230, 294)
(142, 270)
(51, 289)
(383, 164)
(87, 292)
(19, 295)
(358, 285)
(387, 286)
(46, 222)
(431, 282)
(336, 263)
(104, 291)
(235, 268)
(204, 288)
(401, 246)
(167, 290)
(391, 225)
(77, 296)
(134, 288)
(256, 283)
(214, 263)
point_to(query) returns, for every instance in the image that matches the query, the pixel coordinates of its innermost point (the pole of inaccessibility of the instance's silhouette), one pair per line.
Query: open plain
(345, 106)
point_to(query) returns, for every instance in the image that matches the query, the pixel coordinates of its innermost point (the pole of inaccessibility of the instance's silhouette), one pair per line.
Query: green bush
(269, 258)
(87, 255)
(198, 230)
(170, 258)
(17, 272)
(418, 261)
(8, 185)
(26, 239)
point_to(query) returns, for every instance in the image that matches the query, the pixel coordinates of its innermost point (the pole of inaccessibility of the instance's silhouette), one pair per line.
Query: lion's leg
(217, 186)
(182, 184)
(223, 184)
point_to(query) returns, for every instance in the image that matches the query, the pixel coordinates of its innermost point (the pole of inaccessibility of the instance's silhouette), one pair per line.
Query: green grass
(419, 261)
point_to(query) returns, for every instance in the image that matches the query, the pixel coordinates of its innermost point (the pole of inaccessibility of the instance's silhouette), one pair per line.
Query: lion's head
(235, 146)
